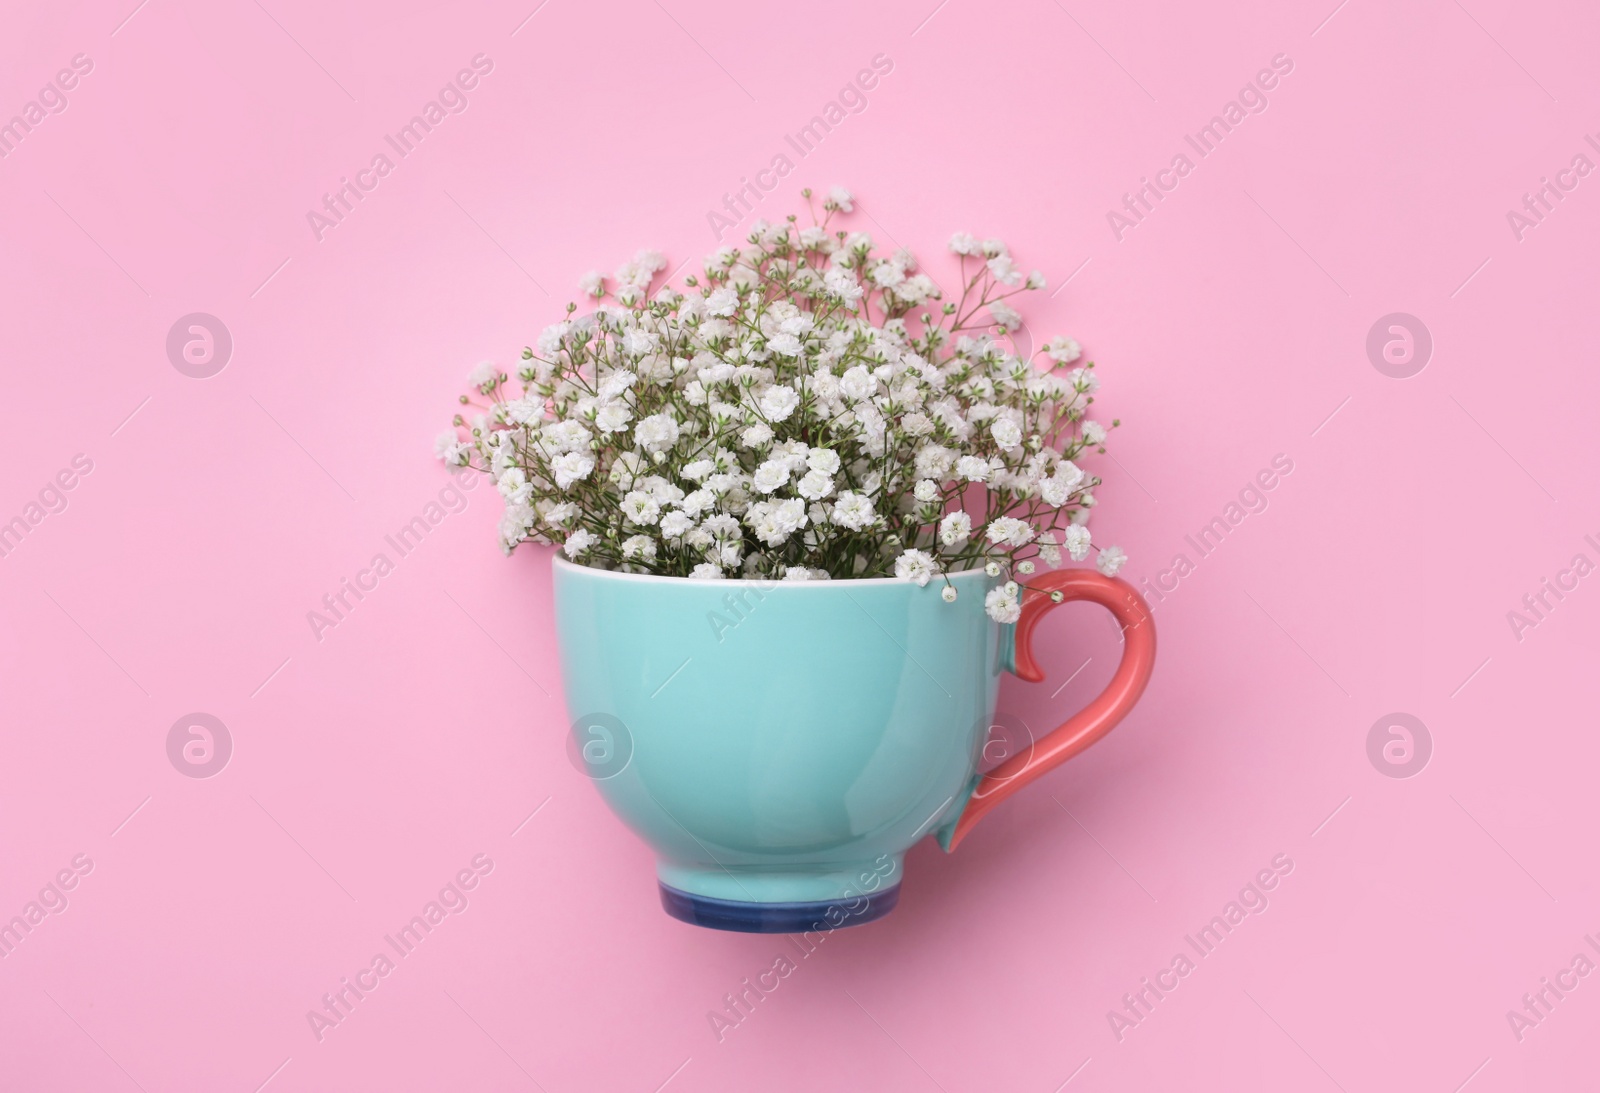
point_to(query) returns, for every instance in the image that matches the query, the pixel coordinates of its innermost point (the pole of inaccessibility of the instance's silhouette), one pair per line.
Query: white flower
(639, 342)
(824, 460)
(448, 447)
(955, 529)
(612, 417)
(842, 283)
(723, 526)
(656, 433)
(1006, 433)
(722, 302)
(578, 542)
(774, 521)
(917, 566)
(640, 508)
(615, 383)
(660, 490)
(1002, 605)
(701, 406)
(1004, 270)
(964, 244)
(698, 502)
(973, 468)
(779, 402)
(1063, 350)
(522, 411)
(514, 524)
(918, 289)
(948, 595)
(771, 475)
(716, 372)
(787, 344)
(853, 510)
(1003, 313)
(571, 467)
(707, 571)
(934, 461)
(641, 547)
(567, 436)
(1076, 540)
(857, 384)
(550, 338)
(814, 485)
(793, 454)
(1048, 550)
(1060, 486)
(1111, 559)
(1009, 531)
(887, 274)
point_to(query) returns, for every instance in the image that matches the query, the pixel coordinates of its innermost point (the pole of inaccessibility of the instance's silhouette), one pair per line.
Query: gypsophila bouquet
(809, 409)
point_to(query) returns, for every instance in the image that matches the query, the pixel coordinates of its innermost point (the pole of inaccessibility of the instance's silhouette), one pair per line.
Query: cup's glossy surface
(777, 739)
(785, 743)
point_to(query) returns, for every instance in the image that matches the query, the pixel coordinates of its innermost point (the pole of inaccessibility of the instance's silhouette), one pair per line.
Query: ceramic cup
(781, 745)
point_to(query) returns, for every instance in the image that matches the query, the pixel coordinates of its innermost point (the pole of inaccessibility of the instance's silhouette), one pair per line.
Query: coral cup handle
(1094, 720)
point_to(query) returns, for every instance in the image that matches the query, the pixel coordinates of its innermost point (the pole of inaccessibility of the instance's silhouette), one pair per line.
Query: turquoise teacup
(781, 745)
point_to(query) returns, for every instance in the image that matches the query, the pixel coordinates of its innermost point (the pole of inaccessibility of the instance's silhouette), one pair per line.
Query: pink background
(368, 767)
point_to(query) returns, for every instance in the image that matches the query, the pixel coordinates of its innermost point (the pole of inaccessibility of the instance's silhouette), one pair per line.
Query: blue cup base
(775, 918)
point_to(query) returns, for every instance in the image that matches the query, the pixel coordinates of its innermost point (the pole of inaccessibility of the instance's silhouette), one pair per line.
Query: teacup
(781, 745)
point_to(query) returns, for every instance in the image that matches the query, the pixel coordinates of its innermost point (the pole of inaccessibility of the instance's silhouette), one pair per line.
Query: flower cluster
(808, 408)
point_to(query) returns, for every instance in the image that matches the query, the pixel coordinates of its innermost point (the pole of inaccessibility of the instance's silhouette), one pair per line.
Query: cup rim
(559, 562)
